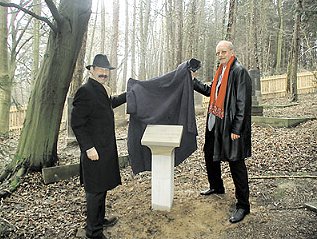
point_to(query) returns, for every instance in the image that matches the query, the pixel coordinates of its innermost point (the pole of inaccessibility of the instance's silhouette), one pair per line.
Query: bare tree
(231, 21)
(36, 38)
(279, 35)
(144, 23)
(5, 82)
(133, 41)
(103, 27)
(114, 44)
(126, 47)
(78, 74)
(89, 55)
(293, 58)
(254, 61)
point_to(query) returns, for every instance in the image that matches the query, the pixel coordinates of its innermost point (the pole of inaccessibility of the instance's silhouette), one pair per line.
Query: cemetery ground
(282, 174)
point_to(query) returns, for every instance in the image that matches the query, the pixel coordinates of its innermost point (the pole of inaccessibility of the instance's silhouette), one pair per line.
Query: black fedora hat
(101, 61)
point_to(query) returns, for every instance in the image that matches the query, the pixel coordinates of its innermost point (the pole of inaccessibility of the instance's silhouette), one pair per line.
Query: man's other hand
(92, 154)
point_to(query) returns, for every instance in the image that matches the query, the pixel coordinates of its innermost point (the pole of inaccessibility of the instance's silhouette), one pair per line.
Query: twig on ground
(283, 176)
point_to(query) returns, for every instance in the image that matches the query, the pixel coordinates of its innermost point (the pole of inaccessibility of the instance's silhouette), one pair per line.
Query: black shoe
(238, 215)
(212, 191)
(110, 222)
(102, 236)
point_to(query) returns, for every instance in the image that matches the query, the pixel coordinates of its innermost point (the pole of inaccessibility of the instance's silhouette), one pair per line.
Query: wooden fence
(273, 86)
(17, 116)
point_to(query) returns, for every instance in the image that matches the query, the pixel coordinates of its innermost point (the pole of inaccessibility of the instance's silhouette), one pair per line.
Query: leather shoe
(212, 191)
(102, 236)
(238, 215)
(110, 222)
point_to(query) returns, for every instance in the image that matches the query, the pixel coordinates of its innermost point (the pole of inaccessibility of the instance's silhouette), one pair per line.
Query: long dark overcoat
(92, 120)
(237, 118)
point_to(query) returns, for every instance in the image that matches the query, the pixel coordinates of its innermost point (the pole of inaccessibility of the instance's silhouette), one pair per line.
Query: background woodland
(45, 46)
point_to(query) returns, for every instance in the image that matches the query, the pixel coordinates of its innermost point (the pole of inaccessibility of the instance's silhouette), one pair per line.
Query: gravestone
(256, 92)
(162, 140)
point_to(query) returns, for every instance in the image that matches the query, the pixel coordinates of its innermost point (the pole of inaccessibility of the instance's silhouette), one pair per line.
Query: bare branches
(57, 17)
(44, 19)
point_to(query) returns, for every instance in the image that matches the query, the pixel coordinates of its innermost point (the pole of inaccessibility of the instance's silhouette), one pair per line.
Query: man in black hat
(92, 120)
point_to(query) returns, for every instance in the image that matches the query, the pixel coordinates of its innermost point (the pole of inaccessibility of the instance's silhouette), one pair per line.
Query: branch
(283, 176)
(44, 19)
(57, 17)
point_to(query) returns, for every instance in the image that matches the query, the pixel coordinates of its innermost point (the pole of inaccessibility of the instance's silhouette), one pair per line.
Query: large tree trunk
(5, 81)
(37, 146)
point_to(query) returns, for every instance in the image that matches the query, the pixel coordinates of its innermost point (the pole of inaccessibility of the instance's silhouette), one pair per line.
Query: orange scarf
(216, 106)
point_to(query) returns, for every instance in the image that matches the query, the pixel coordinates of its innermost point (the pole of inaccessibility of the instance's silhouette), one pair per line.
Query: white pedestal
(162, 140)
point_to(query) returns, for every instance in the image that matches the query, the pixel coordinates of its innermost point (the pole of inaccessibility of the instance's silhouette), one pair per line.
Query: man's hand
(234, 136)
(92, 154)
(194, 74)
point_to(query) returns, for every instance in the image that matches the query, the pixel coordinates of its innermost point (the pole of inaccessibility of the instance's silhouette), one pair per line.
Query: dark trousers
(238, 171)
(239, 175)
(95, 214)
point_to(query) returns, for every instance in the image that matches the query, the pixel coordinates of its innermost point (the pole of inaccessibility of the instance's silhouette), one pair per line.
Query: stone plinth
(286, 122)
(162, 140)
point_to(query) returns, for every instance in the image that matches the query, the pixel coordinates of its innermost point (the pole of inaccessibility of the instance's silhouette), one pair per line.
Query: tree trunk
(37, 146)
(103, 28)
(224, 17)
(36, 38)
(133, 41)
(231, 20)
(293, 59)
(145, 9)
(254, 61)
(5, 81)
(279, 36)
(77, 79)
(192, 25)
(126, 47)
(89, 55)
(179, 32)
(114, 45)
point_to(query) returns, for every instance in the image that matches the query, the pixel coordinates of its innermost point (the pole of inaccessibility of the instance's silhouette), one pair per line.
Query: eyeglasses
(218, 53)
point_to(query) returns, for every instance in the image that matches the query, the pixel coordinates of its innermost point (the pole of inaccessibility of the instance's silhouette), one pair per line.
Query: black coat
(237, 118)
(92, 120)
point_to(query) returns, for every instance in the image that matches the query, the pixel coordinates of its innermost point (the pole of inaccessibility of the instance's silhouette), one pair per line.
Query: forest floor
(278, 209)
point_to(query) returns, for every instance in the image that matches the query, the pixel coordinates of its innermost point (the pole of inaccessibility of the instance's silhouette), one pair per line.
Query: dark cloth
(237, 118)
(95, 214)
(92, 120)
(164, 100)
